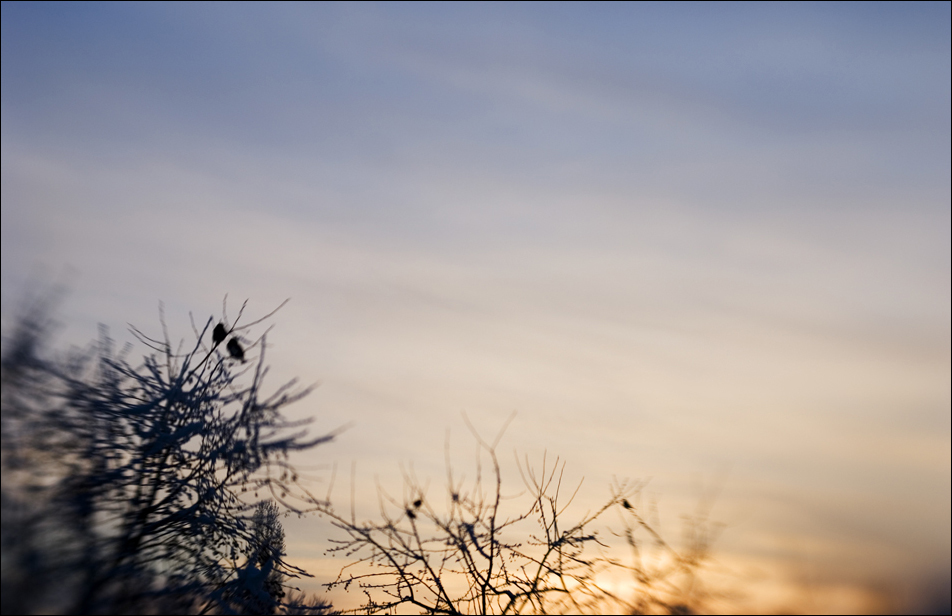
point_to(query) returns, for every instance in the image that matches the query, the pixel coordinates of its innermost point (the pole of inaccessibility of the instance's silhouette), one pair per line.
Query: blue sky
(676, 239)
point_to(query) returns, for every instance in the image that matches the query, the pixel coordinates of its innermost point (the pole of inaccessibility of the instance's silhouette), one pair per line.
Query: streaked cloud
(675, 238)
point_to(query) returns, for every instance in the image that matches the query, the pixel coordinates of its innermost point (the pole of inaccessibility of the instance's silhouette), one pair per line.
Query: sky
(706, 244)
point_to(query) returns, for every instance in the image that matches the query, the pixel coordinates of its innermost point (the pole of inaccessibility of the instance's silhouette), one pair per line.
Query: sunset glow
(705, 245)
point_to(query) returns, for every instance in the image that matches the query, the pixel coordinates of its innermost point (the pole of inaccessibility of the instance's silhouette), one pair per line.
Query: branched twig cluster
(482, 554)
(146, 475)
(138, 487)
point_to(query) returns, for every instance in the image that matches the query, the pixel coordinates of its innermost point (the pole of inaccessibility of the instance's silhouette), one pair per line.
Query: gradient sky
(703, 243)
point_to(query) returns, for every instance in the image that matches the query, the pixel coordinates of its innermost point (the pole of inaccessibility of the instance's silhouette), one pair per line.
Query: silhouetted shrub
(477, 554)
(135, 487)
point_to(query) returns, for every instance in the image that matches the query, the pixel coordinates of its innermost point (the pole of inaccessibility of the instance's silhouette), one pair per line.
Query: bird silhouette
(235, 349)
(219, 334)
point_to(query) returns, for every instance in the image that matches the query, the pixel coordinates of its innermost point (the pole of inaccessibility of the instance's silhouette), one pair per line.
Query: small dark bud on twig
(234, 348)
(219, 334)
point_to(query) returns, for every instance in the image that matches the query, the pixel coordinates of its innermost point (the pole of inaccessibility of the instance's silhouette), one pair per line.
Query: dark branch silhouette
(135, 487)
(479, 555)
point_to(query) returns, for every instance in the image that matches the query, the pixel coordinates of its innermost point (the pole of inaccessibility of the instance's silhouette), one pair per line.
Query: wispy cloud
(673, 237)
